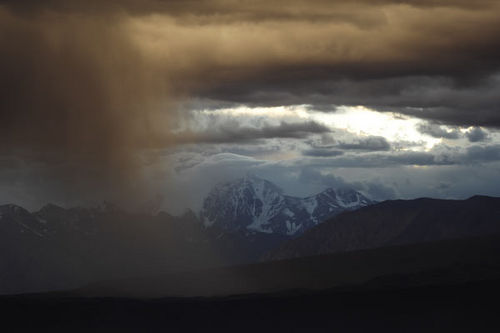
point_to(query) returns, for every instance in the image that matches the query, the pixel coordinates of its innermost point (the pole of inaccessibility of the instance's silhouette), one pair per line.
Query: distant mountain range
(397, 222)
(57, 248)
(255, 204)
(241, 221)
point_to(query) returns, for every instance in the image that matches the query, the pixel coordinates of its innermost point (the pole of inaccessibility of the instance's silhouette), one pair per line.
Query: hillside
(396, 222)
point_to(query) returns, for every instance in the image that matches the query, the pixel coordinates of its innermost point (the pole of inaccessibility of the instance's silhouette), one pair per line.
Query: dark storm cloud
(477, 134)
(370, 160)
(322, 152)
(232, 132)
(87, 86)
(436, 131)
(372, 143)
(327, 146)
(243, 10)
(85, 72)
(439, 156)
(420, 45)
(449, 98)
(480, 153)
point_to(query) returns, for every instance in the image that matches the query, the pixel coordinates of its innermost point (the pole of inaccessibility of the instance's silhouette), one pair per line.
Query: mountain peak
(256, 204)
(249, 182)
(12, 209)
(51, 208)
(346, 197)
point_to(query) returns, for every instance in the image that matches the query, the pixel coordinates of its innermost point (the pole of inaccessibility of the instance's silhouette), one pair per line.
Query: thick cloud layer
(370, 143)
(89, 87)
(232, 132)
(477, 134)
(436, 131)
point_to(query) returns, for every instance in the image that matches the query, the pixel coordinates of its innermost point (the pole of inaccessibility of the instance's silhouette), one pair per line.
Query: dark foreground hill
(436, 287)
(454, 308)
(396, 222)
(443, 262)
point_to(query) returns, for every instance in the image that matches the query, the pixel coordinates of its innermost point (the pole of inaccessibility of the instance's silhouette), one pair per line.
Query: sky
(149, 103)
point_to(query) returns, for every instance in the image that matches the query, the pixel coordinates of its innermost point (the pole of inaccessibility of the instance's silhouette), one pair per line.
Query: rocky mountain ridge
(255, 204)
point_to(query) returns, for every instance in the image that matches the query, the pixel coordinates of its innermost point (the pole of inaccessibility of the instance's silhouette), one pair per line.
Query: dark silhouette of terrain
(57, 248)
(439, 262)
(396, 222)
(421, 265)
(455, 308)
(442, 306)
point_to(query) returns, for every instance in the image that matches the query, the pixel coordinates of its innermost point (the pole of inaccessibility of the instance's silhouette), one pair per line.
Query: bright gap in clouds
(359, 121)
(296, 111)
(362, 121)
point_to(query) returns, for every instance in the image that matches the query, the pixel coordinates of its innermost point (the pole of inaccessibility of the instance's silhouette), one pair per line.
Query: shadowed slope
(397, 222)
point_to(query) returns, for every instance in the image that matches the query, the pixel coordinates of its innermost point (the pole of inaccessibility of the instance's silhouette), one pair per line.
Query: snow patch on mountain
(255, 204)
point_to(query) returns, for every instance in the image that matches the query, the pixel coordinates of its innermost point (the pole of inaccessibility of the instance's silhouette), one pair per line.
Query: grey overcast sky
(155, 101)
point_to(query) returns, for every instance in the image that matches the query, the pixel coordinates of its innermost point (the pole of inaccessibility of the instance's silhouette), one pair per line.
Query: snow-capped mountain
(255, 204)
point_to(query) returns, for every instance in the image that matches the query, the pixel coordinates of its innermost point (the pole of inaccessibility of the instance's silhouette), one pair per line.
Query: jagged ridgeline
(255, 204)
(58, 247)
